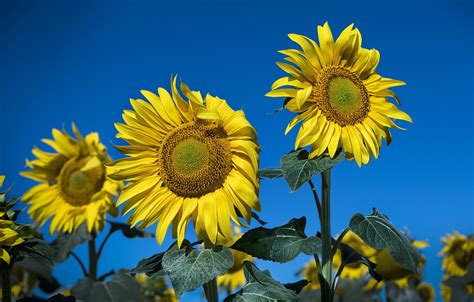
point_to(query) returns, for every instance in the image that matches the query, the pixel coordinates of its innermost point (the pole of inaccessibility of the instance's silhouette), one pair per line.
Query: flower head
(458, 252)
(194, 159)
(74, 184)
(338, 95)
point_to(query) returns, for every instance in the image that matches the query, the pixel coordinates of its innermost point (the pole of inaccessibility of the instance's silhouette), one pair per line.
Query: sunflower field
(237, 151)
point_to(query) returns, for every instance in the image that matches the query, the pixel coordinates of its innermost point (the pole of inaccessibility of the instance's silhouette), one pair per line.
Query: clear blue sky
(81, 61)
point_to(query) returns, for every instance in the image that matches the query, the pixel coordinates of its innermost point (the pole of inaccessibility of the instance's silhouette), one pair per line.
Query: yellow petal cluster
(74, 186)
(340, 99)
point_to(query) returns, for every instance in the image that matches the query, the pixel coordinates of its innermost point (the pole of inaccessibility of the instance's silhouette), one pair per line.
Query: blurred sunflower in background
(8, 239)
(74, 184)
(458, 252)
(155, 289)
(194, 159)
(235, 277)
(310, 273)
(338, 95)
(8, 236)
(426, 292)
(355, 270)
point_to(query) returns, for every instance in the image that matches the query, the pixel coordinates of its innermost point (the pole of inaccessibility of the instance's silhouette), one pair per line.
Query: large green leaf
(37, 249)
(151, 266)
(121, 288)
(270, 173)
(377, 231)
(190, 268)
(65, 243)
(297, 169)
(280, 244)
(261, 287)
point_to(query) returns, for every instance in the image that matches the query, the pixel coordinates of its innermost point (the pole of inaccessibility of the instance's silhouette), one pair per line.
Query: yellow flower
(8, 238)
(310, 273)
(235, 276)
(339, 95)
(426, 292)
(354, 270)
(169, 296)
(141, 278)
(74, 184)
(458, 252)
(189, 160)
(446, 290)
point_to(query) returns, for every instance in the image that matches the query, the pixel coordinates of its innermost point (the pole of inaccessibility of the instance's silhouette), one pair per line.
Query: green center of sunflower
(77, 187)
(190, 156)
(344, 95)
(78, 181)
(195, 159)
(341, 96)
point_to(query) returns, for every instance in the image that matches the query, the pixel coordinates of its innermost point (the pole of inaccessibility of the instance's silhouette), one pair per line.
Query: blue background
(81, 61)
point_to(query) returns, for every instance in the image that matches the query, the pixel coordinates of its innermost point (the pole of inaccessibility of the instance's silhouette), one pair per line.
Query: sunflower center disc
(77, 187)
(190, 156)
(461, 257)
(341, 96)
(195, 159)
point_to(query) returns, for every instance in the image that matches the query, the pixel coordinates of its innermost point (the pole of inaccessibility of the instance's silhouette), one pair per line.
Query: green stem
(92, 259)
(6, 286)
(210, 288)
(327, 295)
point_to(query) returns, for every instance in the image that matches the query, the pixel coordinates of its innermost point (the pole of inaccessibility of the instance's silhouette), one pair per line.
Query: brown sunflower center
(195, 159)
(77, 187)
(462, 256)
(341, 96)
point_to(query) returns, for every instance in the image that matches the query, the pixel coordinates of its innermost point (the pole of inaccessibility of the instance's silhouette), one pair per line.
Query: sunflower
(8, 238)
(426, 292)
(335, 89)
(354, 270)
(310, 273)
(235, 276)
(74, 184)
(189, 160)
(458, 252)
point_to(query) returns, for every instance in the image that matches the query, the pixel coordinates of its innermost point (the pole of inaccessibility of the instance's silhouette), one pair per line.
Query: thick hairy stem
(210, 288)
(326, 236)
(6, 286)
(92, 259)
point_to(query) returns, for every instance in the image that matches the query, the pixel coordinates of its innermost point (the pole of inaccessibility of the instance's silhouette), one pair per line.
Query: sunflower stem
(327, 295)
(210, 287)
(92, 259)
(6, 286)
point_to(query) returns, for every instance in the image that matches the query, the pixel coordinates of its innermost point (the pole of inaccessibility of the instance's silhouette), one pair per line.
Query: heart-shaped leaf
(377, 231)
(261, 287)
(280, 244)
(190, 268)
(297, 169)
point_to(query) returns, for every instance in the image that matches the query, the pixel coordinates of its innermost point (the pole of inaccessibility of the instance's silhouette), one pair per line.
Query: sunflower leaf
(261, 287)
(37, 249)
(270, 173)
(65, 243)
(189, 268)
(377, 231)
(128, 231)
(280, 244)
(151, 266)
(121, 288)
(297, 169)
